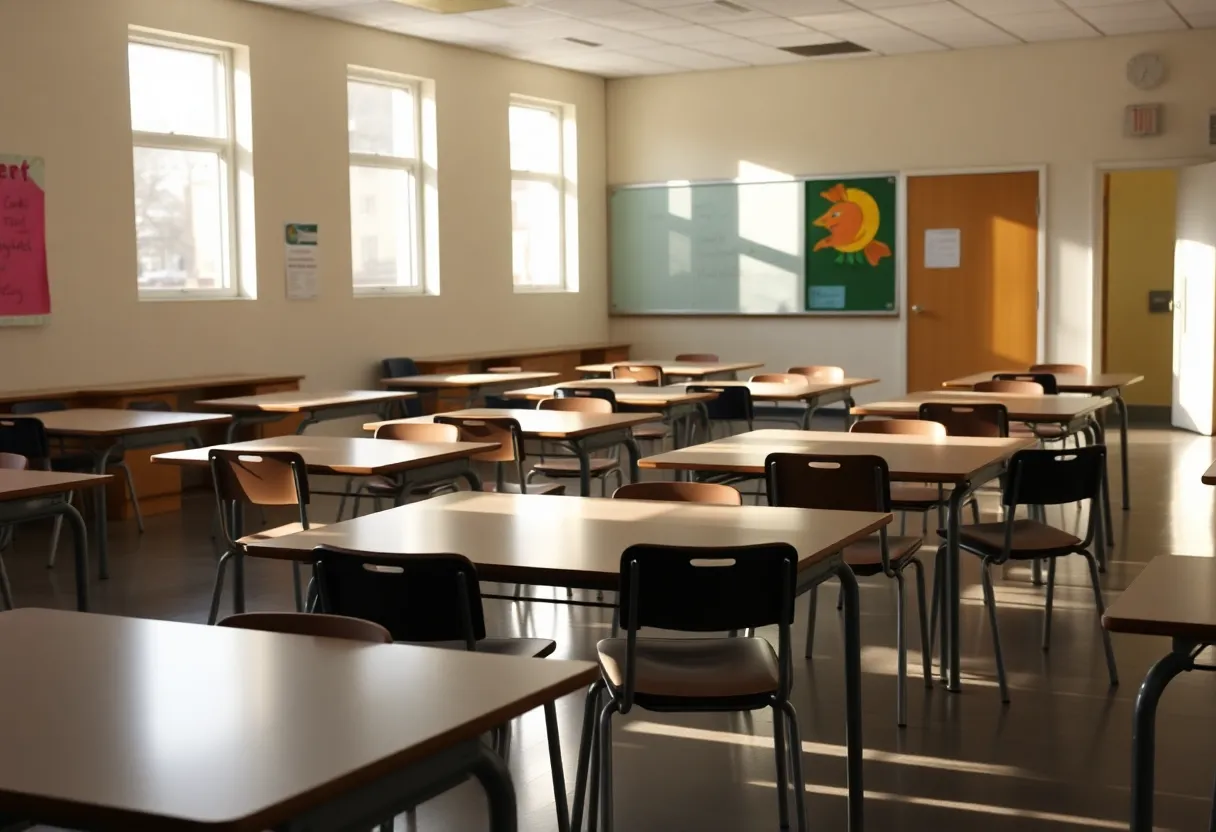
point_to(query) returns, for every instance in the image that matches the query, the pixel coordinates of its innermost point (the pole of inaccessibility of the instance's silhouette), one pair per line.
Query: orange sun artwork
(852, 223)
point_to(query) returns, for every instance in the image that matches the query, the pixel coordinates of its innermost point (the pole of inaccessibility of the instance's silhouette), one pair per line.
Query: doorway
(973, 274)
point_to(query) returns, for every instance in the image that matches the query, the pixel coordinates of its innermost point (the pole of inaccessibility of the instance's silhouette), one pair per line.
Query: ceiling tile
(1049, 25)
(745, 50)
(1201, 19)
(684, 34)
(511, 16)
(683, 57)
(990, 8)
(835, 23)
(1138, 10)
(761, 26)
(925, 13)
(711, 14)
(804, 38)
(966, 34)
(1135, 26)
(638, 20)
(588, 8)
(1186, 7)
(874, 5)
(893, 41)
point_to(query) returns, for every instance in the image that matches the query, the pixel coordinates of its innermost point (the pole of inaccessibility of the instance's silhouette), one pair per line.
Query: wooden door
(982, 315)
(1195, 300)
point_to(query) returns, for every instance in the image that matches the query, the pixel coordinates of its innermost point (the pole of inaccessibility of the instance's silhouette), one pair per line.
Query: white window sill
(172, 297)
(545, 290)
(389, 292)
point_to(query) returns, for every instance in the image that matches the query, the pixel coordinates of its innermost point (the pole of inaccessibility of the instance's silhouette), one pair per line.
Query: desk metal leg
(491, 772)
(584, 468)
(1100, 439)
(952, 586)
(1144, 731)
(555, 763)
(1121, 406)
(852, 682)
(635, 453)
(102, 461)
(80, 543)
(238, 559)
(470, 476)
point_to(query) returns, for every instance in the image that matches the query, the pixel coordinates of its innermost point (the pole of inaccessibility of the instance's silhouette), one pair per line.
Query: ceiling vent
(582, 42)
(823, 50)
(455, 6)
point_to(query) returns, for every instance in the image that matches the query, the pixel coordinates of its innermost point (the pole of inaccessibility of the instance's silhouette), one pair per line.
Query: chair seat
(865, 556)
(693, 668)
(570, 467)
(651, 432)
(387, 487)
(277, 531)
(1031, 539)
(528, 648)
(1022, 431)
(533, 488)
(915, 497)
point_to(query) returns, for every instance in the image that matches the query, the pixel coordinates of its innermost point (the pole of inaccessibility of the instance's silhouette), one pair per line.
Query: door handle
(916, 310)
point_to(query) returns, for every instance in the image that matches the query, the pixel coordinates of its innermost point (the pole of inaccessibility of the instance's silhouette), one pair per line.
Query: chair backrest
(710, 493)
(504, 369)
(151, 406)
(1045, 380)
(13, 462)
(605, 393)
(418, 432)
(697, 357)
(856, 482)
(1021, 388)
(41, 406)
(819, 372)
(415, 597)
(1061, 369)
(505, 431)
(904, 427)
(733, 404)
(310, 624)
(398, 367)
(26, 437)
(779, 378)
(1047, 478)
(988, 420)
(648, 374)
(576, 404)
(264, 478)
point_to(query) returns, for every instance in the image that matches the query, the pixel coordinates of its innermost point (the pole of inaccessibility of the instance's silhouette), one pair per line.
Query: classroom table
(134, 724)
(962, 463)
(1106, 385)
(316, 407)
(582, 433)
(684, 369)
(105, 392)
(23, 497)
(471, 383)
(577, 542)
(1174, 597)
(345, 456)
(103, 430)
(813, 394)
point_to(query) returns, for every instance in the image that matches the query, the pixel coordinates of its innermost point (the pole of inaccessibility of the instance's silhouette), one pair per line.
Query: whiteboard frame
(900, 247)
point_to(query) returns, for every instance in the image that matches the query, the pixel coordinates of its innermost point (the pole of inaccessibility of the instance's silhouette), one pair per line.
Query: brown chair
(856, 483)
(311, 624)
(1025, 387)
(504, 369)
(709, 493)
(819, 372)
(1011, 386)
(568, 467)
(650, 375)
(982, 420)
(698, 357)
(1061, 369)
(909, 496)
(13, 462)
(507, 433)
(782, 412)
(778, 378)
(395, 488)
(265, 478)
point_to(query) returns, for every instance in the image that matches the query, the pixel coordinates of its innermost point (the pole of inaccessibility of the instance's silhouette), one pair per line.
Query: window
(185, 161)
(543, 199)
(384, 117)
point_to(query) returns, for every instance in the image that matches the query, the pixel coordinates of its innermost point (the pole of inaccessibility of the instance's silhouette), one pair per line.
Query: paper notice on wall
(25, 297)
(303, 261)
(943, 248)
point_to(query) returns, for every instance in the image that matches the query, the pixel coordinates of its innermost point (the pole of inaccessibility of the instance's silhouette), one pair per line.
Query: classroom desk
(962, 463)
(813, 394)
(315, 407)
(684, 369)
(571, 542)
(1173, 597)
(22, 496)
(102, 432)
(1107, 385)
(150, 388)
(470, 385)
(582, 433)
(562, 360)
(143, 725)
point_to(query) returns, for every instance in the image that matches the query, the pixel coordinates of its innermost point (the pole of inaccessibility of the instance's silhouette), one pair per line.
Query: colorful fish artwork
(852, 243)
(852, 223)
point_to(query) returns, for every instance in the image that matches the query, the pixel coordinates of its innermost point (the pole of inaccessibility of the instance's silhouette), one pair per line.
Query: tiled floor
(1057, 758)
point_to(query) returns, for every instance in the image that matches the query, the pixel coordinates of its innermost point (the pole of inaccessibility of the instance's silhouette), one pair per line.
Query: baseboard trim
(1154, 415)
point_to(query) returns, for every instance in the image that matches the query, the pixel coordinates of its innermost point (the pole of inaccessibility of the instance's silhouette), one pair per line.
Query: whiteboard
(708, 248)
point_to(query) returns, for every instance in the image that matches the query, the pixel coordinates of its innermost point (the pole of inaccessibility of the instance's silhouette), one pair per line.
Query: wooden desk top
(137, 388)
(98, 421)
(562, 541)
(910, 458)
(142, 725)
(1088, 383)
(342, 454)
(1174, 596)
(545, 424)
(462, 380)
(19, 485)
(495, 354)
(1061, 409)
(1209, 476)
(626, 391)
(295, 401)
(692, 369)
(771, 391)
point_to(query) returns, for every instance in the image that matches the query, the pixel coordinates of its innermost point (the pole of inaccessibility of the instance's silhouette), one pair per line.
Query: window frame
(560, 179)
(413, 166)
(226, 151)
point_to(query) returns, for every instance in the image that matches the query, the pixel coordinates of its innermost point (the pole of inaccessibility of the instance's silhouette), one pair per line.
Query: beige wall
(1058, 105)
(65, 98)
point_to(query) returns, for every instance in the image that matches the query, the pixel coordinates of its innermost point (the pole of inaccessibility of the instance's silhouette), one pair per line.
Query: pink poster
(25, 296)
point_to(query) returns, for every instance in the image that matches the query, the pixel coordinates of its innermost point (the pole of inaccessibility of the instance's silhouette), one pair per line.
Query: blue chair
(396, 368)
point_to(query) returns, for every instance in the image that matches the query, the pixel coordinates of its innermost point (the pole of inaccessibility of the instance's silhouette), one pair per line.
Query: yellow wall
(1140, 257)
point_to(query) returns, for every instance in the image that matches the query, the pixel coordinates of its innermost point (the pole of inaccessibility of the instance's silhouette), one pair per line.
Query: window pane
(177, 91)
(535, 140)
(383, 244)
(381, 119)
(179, 219)
(536, 233)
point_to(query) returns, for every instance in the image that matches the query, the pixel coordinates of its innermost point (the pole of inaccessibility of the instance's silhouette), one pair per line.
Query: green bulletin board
(851, 245)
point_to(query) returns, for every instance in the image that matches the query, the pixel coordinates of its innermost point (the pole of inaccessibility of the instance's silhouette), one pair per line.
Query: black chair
(1045, 380)
(506, 432)
(431, 599)
(1051, 387)
(1038, 478)
(396, 368)
(669, 587)
(733, 404)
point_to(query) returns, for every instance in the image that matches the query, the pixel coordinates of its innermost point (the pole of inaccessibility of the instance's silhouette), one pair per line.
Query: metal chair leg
(779, 738)
(555, 765)
(926, 639)
(342, 502)
(990, 603)
(606, 766)
(56, 528)
(812, 609)
(938, 576)
(139, 515)
(903, 523)
(796, 780)
(218, 591)
(585, 755)
(6, 589)
(901, 655)
(1051, 591)
(975, 510)
(296, 586)
(1110, 653)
